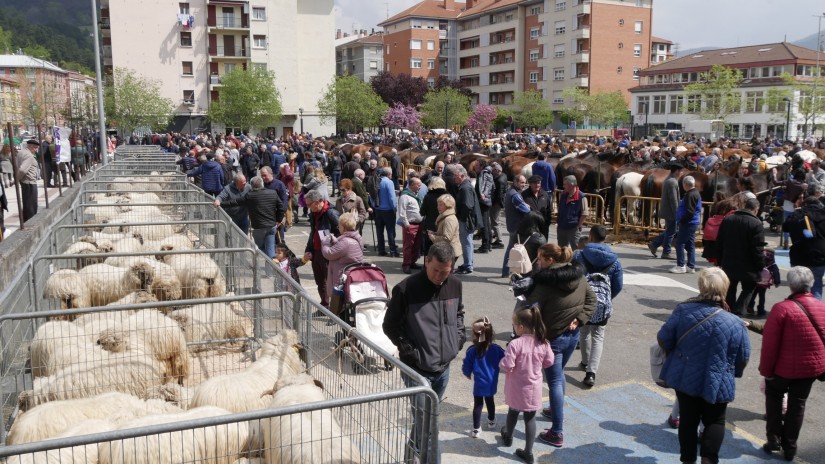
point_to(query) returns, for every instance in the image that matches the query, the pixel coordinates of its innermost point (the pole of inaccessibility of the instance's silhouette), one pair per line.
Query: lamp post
(301, 113)
(787, 118)
(817, 73)
(101, 117)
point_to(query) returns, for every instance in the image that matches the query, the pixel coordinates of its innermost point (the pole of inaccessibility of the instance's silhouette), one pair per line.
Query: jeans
(563, 347)
(737, 305)
(265, 239)
(505, 267)
(686, 242)
(438, 382)
(465, 235)
(785, 239)
(785, 430)
(568, 237)
(385, 219)
(666, 237)
(818, 271)
(592, 344)
(694, 409)
(242, 224)
(336, 179)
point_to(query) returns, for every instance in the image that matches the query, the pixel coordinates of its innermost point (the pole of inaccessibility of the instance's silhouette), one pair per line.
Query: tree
(402, 117)
(5, 42)
(533, 109)
(447, 106)
(352, 103)
(600, 108)
(577, 104)
(443, 82)
(133, 101)
(401, 88)
(803, 108)
(483, 115)
(41, 100)
(38, 51)
(248, 98)
(717, 93)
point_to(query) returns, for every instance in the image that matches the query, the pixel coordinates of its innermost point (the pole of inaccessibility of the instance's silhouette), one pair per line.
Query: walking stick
(374, 246)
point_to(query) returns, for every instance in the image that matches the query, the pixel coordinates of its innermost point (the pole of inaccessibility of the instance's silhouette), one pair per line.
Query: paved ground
(12, 218)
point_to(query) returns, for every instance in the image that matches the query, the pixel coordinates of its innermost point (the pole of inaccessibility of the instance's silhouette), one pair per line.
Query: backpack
(600, 284)
(519, 260)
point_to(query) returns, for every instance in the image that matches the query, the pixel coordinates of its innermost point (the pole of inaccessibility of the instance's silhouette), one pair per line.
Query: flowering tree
(402, 116)
(482, 117)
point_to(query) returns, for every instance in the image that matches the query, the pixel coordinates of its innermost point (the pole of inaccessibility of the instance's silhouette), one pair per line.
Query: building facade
(661, 102)
(661, 50)
(359, 55)
(190, 46)
(38, 89)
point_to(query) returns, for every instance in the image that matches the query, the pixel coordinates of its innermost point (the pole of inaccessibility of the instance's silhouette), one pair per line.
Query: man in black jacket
(740, 241)
(499, 190)
(323, 220)
(266, 214)
(808, 238)
(484, 197)
(539, 201)
(467, 212)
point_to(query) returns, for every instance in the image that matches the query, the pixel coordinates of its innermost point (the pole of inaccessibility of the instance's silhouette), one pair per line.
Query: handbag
(821, 376)
(658, 355)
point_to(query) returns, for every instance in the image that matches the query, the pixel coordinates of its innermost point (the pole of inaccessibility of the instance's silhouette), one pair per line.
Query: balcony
(583, 32)
(215, 80)
(582, 80)
(237, 51)
(229, 22)
(583, 7)
(442, 34)
(582, 56)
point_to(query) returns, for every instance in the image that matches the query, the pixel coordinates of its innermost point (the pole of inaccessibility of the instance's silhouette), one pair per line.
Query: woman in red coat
(793, 356)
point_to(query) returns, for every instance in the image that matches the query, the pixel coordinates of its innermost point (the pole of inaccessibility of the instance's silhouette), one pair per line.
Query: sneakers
(475, 433)
(491, 424)
(583, 366)
(770, 447)
(464, 271)
(678, 270)
(691, 270)
(673, 422)
(552, 438)
(507, 439)
(497, 245)
(668, 256)
(547, 412)
(589, 379)
(652, 249)
(526, 457)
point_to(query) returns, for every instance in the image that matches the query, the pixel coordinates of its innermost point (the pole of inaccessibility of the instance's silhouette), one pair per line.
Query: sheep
(199, 275)
(69, 287)
(83, 248)
(52, 419)
(313, 436)
(165, 282)
(170, 243)
(59, 344)
(213, 321)
(171, 393)
(214, 444)
(140, 296)
(112, 236)
(83, 454)
(105, 213)
(107, 283)
(127, 245)
(142, 197)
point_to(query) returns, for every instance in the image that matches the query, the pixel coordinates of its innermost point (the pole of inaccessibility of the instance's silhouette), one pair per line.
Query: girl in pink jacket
(523, 364)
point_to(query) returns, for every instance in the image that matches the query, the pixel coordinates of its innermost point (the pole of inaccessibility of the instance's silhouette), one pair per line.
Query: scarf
(410, 193)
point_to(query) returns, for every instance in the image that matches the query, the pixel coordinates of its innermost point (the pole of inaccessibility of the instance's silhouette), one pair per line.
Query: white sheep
(214, 444)
(59, 344)
(199, 275)
(107, 283)
(142, 197)
(52, 419)
(69, 287)
(84, 248)
(170, 243)
(309, 437)
(94, 235)
(84, 454)
(213, 321)
(165, 283)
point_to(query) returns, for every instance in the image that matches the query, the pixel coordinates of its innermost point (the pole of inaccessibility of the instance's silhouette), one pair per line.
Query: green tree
(600, 108)
(577, 104)
(351, 103)
(532, 109)
(5, 42)
(718, 93)
(248, 98)
(445, 106)
(133, 101)
(38, 51)
(803, 108)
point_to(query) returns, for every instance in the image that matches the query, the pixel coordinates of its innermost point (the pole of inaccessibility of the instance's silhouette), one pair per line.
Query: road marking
(654, 280)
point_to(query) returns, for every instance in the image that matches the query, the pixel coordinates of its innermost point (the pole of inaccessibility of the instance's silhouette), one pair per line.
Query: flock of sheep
(113, 370)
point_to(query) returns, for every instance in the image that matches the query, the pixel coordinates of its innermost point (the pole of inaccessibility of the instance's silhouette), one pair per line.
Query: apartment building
(360, 55)
(660, 101)
(190, 46)
(25, 78)
(10, 109)
(661, 50)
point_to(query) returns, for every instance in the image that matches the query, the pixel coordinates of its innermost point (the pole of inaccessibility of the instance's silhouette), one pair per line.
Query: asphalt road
(622, 419)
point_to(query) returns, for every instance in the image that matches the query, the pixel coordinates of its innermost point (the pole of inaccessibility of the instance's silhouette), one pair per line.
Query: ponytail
(538, 322)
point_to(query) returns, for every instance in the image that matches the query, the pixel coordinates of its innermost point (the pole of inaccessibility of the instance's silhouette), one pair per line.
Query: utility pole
(101, 118)
(817, 73)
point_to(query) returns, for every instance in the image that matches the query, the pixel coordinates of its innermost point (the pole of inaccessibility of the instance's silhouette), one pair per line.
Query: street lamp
(817, 73)
(787, 119)
(301, 113)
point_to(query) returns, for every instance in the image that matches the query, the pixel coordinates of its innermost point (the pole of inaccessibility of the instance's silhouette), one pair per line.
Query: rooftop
(25, 61)
(427, 9)
(776, 52)
(655, 39)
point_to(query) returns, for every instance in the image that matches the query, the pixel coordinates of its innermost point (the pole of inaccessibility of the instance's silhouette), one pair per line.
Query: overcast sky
(688, 23)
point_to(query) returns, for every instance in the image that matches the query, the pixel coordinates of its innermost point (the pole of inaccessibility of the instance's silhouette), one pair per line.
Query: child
(288, 262)
(481, 362)
(766, 280)
(583, 241)
(523, 365)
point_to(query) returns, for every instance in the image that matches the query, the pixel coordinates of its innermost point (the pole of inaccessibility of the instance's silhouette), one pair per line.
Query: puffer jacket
(484, 186)
(707, 361)
(598, 257)
(791, 347)
(563, 295)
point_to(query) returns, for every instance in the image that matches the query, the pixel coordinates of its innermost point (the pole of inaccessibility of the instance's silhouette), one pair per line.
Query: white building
(188, 46)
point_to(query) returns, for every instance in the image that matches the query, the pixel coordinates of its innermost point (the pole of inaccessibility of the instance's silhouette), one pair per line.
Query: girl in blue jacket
(481, 364)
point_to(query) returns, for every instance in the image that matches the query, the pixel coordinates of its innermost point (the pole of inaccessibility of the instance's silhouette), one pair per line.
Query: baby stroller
(365, 299)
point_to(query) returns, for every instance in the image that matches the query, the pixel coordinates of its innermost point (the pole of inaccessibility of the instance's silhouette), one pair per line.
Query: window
(621, 45)
(635, 73)
(415, 63)
(388, 49)
(415, 24)
(534, 32)
(677, 104)
(559, 27)
(430, 64)
(558, 51)
(776, 106)
(183, 8)
(694, 103)
(619, 70)
(621, 22)
(474, 62)
(186, 68)
(754, 101)
(558, 97)
(189, 97)
(261, 66)
(431, 45)
(534, 54)
(185, 39)
(637, 50)
(659, 104)
(536, 10)
(259, 13)
(637, 28)
(641, 105)
(534, 77)
(373, 65)
(258, 41)
(228, 68)
(560, 5)
(431, 81)
(415, 44)
(558, 74)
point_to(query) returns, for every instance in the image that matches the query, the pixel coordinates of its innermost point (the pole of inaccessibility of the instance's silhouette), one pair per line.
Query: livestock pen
(233, 305)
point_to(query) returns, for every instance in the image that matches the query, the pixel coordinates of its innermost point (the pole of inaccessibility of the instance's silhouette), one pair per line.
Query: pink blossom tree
(482, 117)
(400, 116)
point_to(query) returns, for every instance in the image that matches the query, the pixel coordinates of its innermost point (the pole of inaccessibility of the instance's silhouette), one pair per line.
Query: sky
(687, 23)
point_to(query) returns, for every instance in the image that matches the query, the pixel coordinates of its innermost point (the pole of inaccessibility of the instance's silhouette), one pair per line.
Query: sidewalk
(12, 221)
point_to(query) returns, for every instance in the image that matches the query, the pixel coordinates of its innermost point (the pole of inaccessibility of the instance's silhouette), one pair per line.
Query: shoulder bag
(821, 376)
(658, 355)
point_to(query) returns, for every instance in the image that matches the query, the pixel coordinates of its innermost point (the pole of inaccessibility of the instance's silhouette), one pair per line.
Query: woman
(792, 357)
(342, 250)
(720, 211)
(349, 202)
(701, 364)
(446, 225)
(530, 234)
(287, 176)
(567, 302)
(318, 182)
(429, 209)
(6, 169)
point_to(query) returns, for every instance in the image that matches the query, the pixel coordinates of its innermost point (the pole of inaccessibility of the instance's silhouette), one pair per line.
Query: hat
(534, 179)
(32, 142)
(763, 156)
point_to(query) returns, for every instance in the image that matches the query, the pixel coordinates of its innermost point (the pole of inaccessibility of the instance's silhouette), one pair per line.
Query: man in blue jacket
(385, 213)
(211, 174)
(688, 216)
(544, 170)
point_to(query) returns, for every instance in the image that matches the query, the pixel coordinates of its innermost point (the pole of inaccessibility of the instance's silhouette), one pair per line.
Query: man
(808, 247)
(435, 172)
(426, 343)
(335, 165)
(515, 209)
(250, 162)
(271, 183)
(409, 215)
(228, 173)
(278, 158)
(817, 174)
(78, 160)
(740, 241)
(710, 161)
(484, 195)
(266, 213)
(539, 201)
(348, 172)
(360, 190)
(187, 160)
(27, 178)
(235, 191)
(323, 221)
(373, 180)
(467, 212)
(544, 170)
(572, 213)
(499, 191)
(385, 213)
(688, 216)
(211, 174)
(49, 159)
(597, 257)
(667, 210)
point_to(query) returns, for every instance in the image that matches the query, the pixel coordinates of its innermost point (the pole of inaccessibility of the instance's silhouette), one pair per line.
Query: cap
(763, 156)
(534, 179)
(32, 142)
